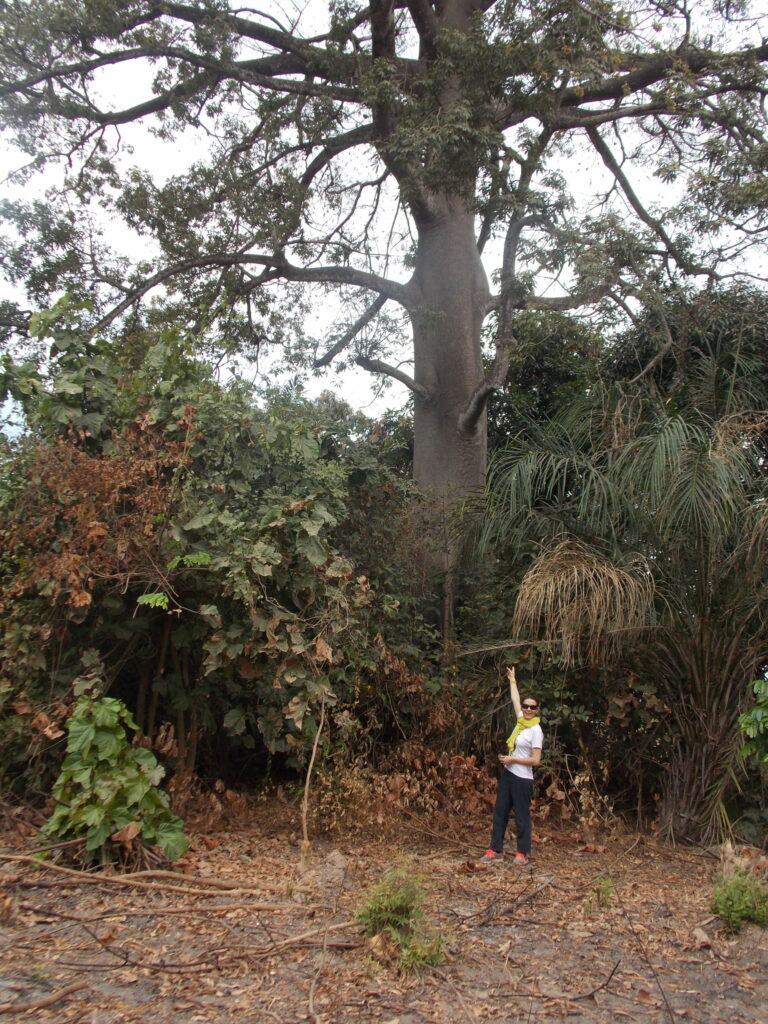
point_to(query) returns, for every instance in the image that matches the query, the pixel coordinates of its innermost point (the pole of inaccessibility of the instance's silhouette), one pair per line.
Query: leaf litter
(240, 931)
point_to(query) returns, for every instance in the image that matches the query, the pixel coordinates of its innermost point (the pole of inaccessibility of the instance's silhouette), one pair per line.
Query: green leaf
(200, 520)
(171, 839)
(157, 600)
(313, 549)
(235, 722)
(81, 734)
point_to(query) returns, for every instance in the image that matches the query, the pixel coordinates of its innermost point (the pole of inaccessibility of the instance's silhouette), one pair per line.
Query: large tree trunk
(450, 432)
(450, 452)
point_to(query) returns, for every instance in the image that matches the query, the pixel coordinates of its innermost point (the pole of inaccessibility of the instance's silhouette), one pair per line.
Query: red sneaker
(521, 859)
(491, 857)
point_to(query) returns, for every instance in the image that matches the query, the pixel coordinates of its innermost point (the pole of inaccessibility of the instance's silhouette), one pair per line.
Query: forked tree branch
(332, 147)
(469, 419)
(655, 225)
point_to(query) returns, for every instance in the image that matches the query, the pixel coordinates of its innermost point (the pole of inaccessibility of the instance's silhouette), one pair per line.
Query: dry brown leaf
(323, 650)
(126, 834)
(42, 723)
(645, 997)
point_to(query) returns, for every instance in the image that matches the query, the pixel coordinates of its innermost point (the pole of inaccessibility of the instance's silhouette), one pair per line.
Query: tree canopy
(435, 163)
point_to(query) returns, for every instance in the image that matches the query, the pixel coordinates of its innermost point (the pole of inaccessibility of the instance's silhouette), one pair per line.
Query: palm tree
(648, 506)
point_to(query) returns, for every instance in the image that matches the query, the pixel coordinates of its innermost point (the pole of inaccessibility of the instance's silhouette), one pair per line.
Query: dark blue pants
(513, 793)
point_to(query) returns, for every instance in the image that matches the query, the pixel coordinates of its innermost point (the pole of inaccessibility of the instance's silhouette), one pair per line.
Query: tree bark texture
(451, 301)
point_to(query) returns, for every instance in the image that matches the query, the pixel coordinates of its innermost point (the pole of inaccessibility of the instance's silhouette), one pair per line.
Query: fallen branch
(644, 953)
(41, 1004)
(167, 911)
(418, 826)
(210, 959)
(197, 886)
(316, 978)
(465, 1008)
(295, 940)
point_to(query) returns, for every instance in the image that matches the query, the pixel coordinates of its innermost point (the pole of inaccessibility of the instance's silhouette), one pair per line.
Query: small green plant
(107, 787)
(420, 951)
(739, 897)
(394, 909)
(602, 893)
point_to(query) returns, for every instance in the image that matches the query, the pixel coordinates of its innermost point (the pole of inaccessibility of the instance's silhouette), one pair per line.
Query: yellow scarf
(521, 724)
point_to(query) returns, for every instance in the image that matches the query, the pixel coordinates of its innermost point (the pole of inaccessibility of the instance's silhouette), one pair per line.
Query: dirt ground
(620, 930)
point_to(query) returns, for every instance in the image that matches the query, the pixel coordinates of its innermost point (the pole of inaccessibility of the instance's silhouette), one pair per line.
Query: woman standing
(516, 783)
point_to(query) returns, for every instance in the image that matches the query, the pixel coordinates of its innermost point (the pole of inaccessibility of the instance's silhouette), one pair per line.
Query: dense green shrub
(235, 562)
(738, 898)
(107, 786)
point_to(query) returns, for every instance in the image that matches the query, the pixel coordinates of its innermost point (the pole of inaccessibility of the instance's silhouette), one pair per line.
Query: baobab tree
(450, 161)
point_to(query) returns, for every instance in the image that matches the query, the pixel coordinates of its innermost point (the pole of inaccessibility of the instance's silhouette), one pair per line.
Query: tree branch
(355, 137)
(377, 366)
(654, 69)
(277, 266)
(469, 419)
(351, 334)
(427, 25)
(656, 226)
(573, 301)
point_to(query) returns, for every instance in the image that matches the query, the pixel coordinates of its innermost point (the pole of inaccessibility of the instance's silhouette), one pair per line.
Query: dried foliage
(582, 602)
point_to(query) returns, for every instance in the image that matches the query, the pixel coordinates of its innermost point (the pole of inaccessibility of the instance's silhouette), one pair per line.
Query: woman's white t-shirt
(527, 741)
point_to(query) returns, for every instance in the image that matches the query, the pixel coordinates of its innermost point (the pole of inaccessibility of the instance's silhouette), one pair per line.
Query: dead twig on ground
(313, 985)
(469, 1015)
(641, 945)
(196, 885)
(41, 1004)
(417, 824)
(600, 987)
(168, 911)
(295, 940)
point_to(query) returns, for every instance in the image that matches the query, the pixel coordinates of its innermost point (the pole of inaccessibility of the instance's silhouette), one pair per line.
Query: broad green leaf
(234, 721)
(313, 549)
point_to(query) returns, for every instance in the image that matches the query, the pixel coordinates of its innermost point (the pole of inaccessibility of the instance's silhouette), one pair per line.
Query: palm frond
(573, 597)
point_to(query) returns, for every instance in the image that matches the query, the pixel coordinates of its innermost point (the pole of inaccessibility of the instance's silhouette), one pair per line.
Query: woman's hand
(506, 759)
(513, 691)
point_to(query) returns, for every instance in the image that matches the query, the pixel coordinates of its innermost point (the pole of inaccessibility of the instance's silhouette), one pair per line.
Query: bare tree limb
(351, 334)
(573, 301)
(377, 366)
(277, 266)
(656, 226)
(354, 137)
